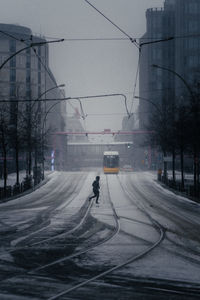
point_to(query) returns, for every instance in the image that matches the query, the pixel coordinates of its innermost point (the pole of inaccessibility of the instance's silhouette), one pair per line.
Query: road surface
(141, 242)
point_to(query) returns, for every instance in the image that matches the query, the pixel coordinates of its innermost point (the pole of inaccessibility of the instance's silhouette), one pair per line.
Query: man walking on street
(96, 188)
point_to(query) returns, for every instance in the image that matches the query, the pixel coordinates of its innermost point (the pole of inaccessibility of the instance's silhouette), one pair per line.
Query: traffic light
(128, 146)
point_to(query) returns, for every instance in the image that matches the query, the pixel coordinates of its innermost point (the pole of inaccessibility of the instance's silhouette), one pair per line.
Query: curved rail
(9, 250)
(115, 232)
(128, 261)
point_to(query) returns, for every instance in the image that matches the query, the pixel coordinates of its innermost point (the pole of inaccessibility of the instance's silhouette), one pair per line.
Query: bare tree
(4, 140)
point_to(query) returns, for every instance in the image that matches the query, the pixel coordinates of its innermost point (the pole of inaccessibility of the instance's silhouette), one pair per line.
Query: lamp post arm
(27, 47)
(40, 96)
(147, 100)
(52, 88)
(179, 76)
(78, 97)
(14, 54)
(157, 41)
(47, 114)
(42, 140)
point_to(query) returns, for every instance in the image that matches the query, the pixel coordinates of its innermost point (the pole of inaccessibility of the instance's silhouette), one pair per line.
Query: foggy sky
(88, 67)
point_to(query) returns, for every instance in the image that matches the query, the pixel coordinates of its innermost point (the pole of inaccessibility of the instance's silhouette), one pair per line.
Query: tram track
(182, 222)
(46, 217)
(35, 247)
(42, 271)
(28, 246)
(142, 208)
(180, 244)
(65, 234)
(156, 286)
(109, 237)
(42, 221)
(38, 222)
(126, 262)
(36, 272)
(166, 207)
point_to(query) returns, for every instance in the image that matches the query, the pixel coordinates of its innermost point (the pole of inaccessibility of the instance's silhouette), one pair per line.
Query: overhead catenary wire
(51, 77)
(130, 38)
(68, 99)
(67, 39)
(11, 36)
(115, 25)
(136, 80)
(38, 57)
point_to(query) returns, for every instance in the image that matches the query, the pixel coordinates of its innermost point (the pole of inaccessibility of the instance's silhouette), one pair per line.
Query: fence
(11, 191)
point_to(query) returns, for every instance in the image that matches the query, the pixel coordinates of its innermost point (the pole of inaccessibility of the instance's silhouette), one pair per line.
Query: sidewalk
(11, 180)
(12, 192)
(187, 176)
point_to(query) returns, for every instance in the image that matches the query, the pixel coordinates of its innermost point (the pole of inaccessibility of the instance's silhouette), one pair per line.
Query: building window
(39, 77)
(193, 26)
(21, 61)
(28, 58)
(28, 78)
(13, 62)
(12, 90)
(3, 58)
(156, 54)
(28, 91)
(28, 62)
(12, 46)
(193, 61)
(12, 75)
(193, 8)
(159, 85)
(193, 43)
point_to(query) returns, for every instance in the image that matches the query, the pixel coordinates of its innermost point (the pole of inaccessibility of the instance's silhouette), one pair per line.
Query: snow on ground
(153, 177)
(11, 179)
(168, 261)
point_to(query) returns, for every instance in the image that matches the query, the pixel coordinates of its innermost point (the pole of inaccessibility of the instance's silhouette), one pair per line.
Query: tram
(111, 162)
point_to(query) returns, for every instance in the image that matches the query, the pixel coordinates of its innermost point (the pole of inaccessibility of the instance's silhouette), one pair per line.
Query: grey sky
(88, 67)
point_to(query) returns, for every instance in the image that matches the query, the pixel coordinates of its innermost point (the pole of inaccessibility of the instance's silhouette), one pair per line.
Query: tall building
(179, 19)
(27, 76)
(23, 75)
(187, 50)
(150, 80)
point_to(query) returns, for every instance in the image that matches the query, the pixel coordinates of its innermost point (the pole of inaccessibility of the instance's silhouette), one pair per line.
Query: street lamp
(39, 107)
(147, 100)
(155, 41)
(27, 47)
(31, 45)
(179, 76)
(195, 116)
(52, 88)
(158, 111)
(42, 142)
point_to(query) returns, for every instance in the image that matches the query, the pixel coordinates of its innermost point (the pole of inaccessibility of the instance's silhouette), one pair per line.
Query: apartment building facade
(27, 76)
(179, 19)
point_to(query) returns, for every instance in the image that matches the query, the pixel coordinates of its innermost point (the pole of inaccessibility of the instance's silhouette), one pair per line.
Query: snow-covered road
(141, 241)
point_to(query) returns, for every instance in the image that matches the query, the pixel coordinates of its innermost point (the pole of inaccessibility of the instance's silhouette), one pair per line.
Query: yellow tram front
(111, 162)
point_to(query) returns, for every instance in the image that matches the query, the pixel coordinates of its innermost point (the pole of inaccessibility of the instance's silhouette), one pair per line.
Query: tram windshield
(111, 161)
